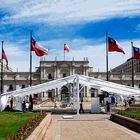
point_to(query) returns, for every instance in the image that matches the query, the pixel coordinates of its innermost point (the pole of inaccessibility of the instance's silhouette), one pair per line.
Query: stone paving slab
(88, 127)
(51, 131)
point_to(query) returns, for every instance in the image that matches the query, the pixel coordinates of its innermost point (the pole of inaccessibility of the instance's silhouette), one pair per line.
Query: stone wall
(127, 122)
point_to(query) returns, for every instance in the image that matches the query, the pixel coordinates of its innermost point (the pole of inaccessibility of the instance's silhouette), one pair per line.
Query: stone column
(5, 88)
(45, 74)
(73, 70)
(99, 92)
(88, 94)
(18, 87)
(42, 73)
(58, 73)
(54, 74)
(59, 93)
(56, 92)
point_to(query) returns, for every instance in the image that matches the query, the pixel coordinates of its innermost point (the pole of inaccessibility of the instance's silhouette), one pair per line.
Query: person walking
(23, 106)
(27, 106)
(81, 107)
(107, 106)
(11, 103)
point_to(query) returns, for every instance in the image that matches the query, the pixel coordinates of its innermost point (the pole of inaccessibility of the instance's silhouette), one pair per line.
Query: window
(10, 87)
(49, 94)
(85, 91)
(35, 95)
(23, 86)
(50, 76)
(92, 94)
(85, 94)
(43, 94)
(64, 74)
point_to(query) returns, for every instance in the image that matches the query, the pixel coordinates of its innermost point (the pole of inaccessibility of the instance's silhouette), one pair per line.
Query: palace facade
(51, 70)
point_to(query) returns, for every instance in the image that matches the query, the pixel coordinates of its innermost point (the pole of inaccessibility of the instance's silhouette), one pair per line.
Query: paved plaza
(88, 127)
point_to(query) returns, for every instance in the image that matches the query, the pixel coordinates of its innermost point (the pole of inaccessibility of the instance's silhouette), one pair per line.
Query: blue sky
(81, 24)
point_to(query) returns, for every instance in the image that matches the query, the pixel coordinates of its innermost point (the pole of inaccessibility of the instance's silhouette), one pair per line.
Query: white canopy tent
(84, 80)
(109, 86)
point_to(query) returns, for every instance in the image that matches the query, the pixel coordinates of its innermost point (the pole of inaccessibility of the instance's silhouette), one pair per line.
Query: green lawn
(10, 122)
(132, 113)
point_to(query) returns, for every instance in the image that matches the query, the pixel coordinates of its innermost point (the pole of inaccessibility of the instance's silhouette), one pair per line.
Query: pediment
(64, 65)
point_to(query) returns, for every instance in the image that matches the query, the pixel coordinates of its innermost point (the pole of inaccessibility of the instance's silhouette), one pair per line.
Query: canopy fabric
(41, 87)
(3, 102)
(109, 86)
(84, 80)
(34, 90)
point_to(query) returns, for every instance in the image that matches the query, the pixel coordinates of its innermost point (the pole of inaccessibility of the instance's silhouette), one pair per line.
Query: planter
(126, 121)
(41, 129)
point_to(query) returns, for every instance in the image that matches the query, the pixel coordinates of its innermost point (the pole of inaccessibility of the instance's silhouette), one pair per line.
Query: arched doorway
(93, 92)
(64, 94)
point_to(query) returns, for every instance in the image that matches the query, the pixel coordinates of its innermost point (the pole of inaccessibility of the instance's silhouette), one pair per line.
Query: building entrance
(64, 95)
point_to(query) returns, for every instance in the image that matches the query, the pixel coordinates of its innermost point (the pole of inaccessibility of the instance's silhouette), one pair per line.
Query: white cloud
(17, 58)
(68, 12)
(61, 12)
(95, 53)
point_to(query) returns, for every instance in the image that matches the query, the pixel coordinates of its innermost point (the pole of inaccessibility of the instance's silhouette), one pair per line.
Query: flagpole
(30, 58)
(132, 66)
(64, 55)
(107, 56)
(2, 70)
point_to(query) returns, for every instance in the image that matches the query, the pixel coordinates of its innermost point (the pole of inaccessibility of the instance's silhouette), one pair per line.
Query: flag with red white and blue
(66, 48)
(39, 51)
(135, 52)
(4, 57)
(113, 46)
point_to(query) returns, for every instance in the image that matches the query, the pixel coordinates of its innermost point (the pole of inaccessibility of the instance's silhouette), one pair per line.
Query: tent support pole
(77, 87)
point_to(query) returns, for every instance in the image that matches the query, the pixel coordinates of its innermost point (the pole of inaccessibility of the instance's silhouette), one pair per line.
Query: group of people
(25, 106)
(21, 104)
(129, 101)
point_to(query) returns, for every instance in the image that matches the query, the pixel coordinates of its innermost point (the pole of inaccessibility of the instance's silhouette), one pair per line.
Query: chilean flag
(66, 48)
(37, 49)
(113, 46)
(4, 57)
(136, 52)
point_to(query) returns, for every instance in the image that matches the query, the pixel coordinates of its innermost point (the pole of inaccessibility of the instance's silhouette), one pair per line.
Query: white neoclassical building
(51, 70)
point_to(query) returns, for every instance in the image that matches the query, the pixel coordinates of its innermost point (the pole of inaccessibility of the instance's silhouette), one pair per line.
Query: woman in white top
(27, 106)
